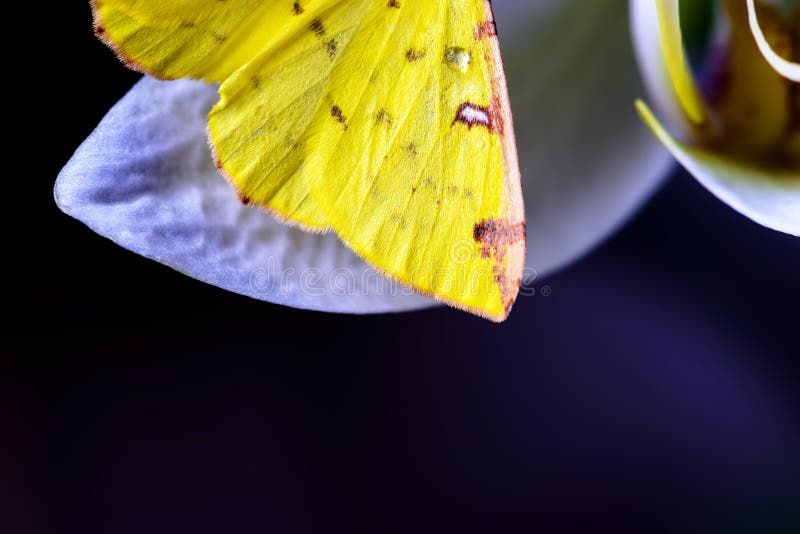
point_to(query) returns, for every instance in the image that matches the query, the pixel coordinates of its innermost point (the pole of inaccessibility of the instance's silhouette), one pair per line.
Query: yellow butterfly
(386, 121)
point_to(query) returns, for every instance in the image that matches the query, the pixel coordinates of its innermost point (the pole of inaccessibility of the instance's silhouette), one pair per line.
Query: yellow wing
(183, 38)
(209, 40)
(386, 119)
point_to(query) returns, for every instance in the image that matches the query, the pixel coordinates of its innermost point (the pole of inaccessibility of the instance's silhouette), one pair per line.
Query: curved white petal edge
(646, 35)
(786, 68)
(145, 178)
(770, 198)
(587, 161)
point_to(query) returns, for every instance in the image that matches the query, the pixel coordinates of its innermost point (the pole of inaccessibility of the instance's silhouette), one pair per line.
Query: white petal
(646, 35)
(771, 198)
(786, 68)
(587, 162)
(145, 179)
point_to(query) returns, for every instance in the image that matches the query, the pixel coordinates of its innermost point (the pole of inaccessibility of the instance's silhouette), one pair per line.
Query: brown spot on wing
(413, 55)
(509, 287)
(317, 27)
(385, 118)
(244, 199)
(487, 28)
(495, 235)
(331, 47)
(338, 116)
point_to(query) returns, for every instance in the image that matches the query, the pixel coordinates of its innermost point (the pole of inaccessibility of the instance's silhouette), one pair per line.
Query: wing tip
(458, 305)
(507, 276)
(104, 36)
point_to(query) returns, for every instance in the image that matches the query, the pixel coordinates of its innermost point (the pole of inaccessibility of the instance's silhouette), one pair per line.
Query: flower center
(752, 111)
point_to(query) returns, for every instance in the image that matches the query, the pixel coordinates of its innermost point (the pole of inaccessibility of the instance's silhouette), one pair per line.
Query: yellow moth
(385, 121)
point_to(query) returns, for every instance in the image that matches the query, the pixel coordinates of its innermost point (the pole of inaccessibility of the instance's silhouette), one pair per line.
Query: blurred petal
(587, 162)
(145, 180)
(669, 24)
(771, 198)
(786, 68)
(646, 34)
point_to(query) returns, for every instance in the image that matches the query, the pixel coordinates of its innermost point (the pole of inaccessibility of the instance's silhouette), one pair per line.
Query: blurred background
(656, 388)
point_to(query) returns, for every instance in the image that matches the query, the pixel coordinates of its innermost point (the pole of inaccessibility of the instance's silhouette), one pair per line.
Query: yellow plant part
(677, 63)
(385, 120)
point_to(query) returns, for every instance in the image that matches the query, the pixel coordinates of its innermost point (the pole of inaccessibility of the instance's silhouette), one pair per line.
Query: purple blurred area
(656, 388)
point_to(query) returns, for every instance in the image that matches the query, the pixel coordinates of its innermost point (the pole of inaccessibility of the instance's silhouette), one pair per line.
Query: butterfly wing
(390, 120)
(183, 38)
(210, 40)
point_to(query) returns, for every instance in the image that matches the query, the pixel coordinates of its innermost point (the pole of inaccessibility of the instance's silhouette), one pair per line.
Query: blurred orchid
(146, 180)
(724, 75)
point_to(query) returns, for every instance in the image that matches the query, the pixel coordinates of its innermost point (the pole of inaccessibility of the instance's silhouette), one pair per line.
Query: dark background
(655, 390)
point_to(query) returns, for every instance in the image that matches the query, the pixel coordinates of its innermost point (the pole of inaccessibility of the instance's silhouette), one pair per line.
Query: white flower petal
(145, 179)
(771, 198)
(587, 162)
(786, 68)
(646, 34)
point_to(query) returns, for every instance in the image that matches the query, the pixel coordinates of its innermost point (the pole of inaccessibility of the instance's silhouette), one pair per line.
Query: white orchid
(145, 178)
(738, 130)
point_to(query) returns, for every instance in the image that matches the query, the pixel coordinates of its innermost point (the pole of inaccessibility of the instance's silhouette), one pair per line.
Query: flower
(146, 180)
(734, 103)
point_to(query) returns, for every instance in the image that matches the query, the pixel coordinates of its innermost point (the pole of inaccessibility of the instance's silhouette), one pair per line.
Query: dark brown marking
(255, 81)
(394, 3)
(336, 113)
(244, 199)
(487, 28)
(496, 235)
(411, 148)
(384, 117)
(330, 47)
(297, 9)
(508, 287)
(413, 55)
(317, 27)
